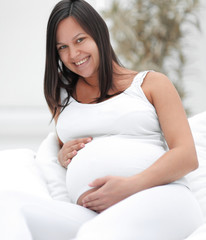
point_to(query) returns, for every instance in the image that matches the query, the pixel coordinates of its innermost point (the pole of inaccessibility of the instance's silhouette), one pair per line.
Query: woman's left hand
(110, 190)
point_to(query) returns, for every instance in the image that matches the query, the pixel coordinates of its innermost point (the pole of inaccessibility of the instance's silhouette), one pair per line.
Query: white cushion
(54, 174)
(198, 177)
(199, 234)
(19, 172)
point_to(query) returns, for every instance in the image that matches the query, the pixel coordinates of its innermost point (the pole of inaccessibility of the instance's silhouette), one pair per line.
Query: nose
(73, 52)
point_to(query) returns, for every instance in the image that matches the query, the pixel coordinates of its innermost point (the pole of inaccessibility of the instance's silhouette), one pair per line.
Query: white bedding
(19, 172)
(40, 174)
(198, 177)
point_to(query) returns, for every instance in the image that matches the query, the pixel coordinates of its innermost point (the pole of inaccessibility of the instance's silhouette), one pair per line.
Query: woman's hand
(110, 190)
(70, 149)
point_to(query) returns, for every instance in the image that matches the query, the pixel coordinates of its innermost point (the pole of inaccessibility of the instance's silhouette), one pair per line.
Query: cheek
(64, 59)
(96, 54)
(92, 47)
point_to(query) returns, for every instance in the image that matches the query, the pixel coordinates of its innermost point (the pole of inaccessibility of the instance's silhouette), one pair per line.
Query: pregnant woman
(124, 135)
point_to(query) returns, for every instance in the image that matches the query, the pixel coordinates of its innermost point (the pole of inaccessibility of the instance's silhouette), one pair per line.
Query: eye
(80, 40)
(62, 47)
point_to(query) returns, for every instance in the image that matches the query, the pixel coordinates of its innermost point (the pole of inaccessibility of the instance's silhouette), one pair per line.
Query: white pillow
(199, 234)
(54, 174)
(19, 172)
(198, 177)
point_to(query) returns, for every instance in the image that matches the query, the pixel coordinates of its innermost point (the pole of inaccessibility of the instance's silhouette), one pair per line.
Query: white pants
(167, 212)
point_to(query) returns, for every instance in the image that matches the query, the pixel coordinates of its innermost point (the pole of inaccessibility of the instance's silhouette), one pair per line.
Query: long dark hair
(57, 75)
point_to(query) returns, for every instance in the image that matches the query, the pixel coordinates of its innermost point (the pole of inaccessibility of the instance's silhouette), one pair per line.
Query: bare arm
(181, 157)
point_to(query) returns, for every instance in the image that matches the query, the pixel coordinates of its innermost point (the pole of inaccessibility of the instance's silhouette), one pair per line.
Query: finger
(77, 147)
(79, 140)
(70, 155)
(98, 209)
(92, 204)
(66, 163)
(90, 197)
(99, 182)
(96, 205)
(84, 140)
(66, 150)
(71, 151)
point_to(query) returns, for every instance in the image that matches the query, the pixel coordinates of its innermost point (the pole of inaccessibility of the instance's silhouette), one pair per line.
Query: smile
(81, 62)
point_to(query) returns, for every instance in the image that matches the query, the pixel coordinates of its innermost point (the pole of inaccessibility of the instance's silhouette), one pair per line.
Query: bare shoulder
(156, 79)
(155, 84)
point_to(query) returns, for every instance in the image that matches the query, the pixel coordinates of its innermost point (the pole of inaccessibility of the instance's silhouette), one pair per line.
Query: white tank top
(127, 137)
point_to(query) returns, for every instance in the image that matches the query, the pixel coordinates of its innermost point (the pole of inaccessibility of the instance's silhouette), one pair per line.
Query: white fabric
(18, 171)
(199, 234)
(167, 212)
(13, 224)
(136, 217)
(53, 173)
(28, 217)
(198, 177)
(126, 133)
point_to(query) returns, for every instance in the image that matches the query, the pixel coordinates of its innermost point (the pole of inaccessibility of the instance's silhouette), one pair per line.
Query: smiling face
(77, 49)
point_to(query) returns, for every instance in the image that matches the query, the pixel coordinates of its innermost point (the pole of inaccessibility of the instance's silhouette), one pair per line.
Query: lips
(81, 62)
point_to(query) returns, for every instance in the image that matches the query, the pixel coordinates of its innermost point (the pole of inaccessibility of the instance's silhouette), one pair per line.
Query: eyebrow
(76, 36)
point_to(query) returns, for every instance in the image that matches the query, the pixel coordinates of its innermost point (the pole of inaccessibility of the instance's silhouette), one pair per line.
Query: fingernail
(82, 145)
(89, 140)
(74, 152)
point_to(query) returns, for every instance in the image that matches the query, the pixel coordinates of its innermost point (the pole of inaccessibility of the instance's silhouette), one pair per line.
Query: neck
(90, 82)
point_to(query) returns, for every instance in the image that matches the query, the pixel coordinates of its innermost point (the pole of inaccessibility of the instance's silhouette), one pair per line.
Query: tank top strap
(139, 78)
(135, 88)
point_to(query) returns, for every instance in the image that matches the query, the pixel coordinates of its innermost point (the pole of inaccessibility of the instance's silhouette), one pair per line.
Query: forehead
(67, 29)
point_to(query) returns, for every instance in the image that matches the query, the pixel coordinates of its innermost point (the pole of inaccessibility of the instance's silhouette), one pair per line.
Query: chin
(88, 75)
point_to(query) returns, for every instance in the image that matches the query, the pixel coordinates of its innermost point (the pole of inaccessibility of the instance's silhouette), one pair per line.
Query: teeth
(81, 62)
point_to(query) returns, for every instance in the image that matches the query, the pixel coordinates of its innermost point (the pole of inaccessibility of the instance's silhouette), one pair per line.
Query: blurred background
(167, 36)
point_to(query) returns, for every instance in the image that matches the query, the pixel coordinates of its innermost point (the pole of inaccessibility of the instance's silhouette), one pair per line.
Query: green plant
(149, 34)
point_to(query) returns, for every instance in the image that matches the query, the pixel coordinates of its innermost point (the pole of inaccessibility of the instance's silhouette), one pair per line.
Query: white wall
(24, 117)
(22, 47)
(195, 72)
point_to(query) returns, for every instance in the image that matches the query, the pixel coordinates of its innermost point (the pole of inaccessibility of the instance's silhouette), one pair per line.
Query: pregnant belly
(109, 156)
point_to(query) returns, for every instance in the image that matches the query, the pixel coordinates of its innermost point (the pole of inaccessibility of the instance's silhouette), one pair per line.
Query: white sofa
(39, 173)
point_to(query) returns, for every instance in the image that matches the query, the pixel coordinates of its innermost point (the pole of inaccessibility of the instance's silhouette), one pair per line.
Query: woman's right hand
(70, 149)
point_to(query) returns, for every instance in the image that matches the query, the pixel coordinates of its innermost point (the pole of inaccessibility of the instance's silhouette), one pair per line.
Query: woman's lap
(40, 218)
(165, 212)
